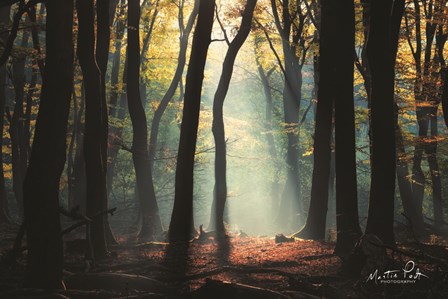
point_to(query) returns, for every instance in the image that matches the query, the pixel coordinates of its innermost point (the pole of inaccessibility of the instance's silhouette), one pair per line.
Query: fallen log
(218, 289)
(115, 281)
(243, 270)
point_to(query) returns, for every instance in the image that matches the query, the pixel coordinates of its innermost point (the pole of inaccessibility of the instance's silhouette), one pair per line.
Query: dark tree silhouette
(315, 224)
(335, 88)
(151, 223)
(117, 108)
(19, 148)
(347, 222)
(381, 65)
(220, 190)
(94, 131)
(292, 41)
(181, 225)
(181, 58)
(4, 20)
(41, 185)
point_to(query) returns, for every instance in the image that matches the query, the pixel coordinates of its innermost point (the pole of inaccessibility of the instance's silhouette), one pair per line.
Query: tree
(181, 61)
(41, 184)
(335, 92)
(427, 100)
(291, 29)
(315, 223)
(264, 78)
(348, 230)
(16, 129)
(220, 190)
(104, 21)
(94, 128)
(4, 217)
(151, 223)
(381, 65)
(181, 224)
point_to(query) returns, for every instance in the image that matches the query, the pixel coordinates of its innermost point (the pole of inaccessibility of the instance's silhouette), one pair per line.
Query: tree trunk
(348, 230)
(218, 130)
(315, 224)
(181, 225)
(94, 128)
(117, 109)
(103, 8)
(78, 175)
(4, 217)
(151, 223)
(41, 185)
(264, 77)
(16, 128)
(290, 207)
(182, 57)
(380, 58)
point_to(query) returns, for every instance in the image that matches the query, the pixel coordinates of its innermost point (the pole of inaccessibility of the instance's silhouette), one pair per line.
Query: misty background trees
(319, 119)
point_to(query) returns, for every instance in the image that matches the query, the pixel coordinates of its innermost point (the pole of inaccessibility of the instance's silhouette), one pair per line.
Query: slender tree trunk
(348, 230)
(151, 223)
(78, 175)
(181, 225)
(264, 77)
(218, 130)
(94, 128)
(71, 202)
(431, 153)
(103, 8)
(315, 224)
(41, 185)
(380, 58)
(117, 108)
(16, 129)
(182, 57)
(404, 185)
(4, 216)
(290, 208)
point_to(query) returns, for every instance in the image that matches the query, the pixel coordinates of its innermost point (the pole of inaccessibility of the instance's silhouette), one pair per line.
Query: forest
(291, 149)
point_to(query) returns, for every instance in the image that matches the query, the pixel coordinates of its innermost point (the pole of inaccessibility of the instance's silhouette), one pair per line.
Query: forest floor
(238, 267)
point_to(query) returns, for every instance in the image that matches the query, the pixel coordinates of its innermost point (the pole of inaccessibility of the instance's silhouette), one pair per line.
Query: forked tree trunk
(220, 190)
(182, 58)
(41, 185)
(181, 224)
(151, 223)
(94, 128)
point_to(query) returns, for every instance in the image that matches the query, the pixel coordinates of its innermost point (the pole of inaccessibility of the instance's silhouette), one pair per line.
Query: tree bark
(16, 128)
(220, 190)
(264, 77)
(151, 223)
(290, 205)
(117, 108)
(315, 223)
(347, 221)
(94, 154)
(41, 185)
(380, 58)
(182, 224)
(182, 57)
(4, 216)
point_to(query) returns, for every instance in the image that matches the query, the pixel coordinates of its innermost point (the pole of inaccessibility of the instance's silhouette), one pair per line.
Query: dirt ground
(238, 267)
